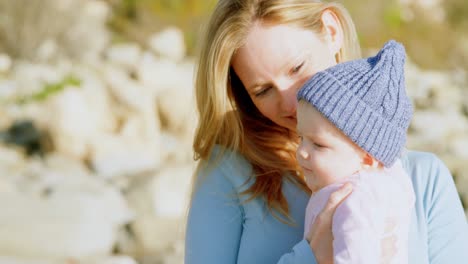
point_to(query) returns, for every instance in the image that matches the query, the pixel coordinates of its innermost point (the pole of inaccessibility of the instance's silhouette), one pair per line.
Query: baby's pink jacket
(381, 199)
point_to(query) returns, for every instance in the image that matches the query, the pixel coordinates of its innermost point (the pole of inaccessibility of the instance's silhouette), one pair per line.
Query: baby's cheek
(310, 182)
(349, 166)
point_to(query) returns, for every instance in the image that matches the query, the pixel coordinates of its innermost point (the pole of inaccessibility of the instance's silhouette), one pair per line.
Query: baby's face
(324, 153)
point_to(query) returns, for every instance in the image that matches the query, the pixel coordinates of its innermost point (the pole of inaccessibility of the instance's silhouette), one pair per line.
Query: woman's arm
(216, 219)
(301, 253)
(447, 224)
(214, 225)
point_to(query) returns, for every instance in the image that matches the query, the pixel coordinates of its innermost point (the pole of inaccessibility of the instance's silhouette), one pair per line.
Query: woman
(249, 197)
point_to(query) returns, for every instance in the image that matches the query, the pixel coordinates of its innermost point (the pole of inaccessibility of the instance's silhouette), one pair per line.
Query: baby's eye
(297, 68)
(319, 145)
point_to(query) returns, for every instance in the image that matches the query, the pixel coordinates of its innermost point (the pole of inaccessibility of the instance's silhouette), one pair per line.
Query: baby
(352, 120)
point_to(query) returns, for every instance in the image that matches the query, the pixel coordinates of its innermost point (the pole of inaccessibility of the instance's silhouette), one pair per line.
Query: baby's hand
(320, 235)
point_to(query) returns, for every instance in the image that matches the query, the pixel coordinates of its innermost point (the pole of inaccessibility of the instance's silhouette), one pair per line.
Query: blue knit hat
(366, 99)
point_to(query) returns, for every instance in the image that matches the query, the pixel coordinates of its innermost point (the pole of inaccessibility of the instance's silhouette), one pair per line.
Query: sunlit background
(97, 117)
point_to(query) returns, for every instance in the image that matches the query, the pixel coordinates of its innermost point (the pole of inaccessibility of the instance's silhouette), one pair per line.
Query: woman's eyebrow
(290, 62)
(255, 85)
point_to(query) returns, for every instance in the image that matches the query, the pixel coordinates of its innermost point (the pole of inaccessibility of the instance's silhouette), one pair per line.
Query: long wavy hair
(227, 115)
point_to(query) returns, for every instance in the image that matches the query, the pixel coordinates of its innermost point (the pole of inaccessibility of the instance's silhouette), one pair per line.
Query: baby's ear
(369, 162)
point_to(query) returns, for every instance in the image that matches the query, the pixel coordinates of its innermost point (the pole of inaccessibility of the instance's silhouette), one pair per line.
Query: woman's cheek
(267, 108)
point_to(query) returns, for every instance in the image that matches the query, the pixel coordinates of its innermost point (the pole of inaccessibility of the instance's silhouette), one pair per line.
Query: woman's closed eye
(263, 91)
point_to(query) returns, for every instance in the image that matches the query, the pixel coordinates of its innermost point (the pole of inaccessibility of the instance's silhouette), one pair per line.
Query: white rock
(143, 129)
(8, 89)
(71, 115)
(174, 150)
(459, 147)
(47, 50)
(434, 90)
(140, 122)
(176, 105)
(78, 115)
(97, 260)
(72, 226)
(11, 158)
(129, 92)
(447, 123)
(5, 63)
(22, 260)
(177, 254)
(171, 189)
(7, 186)
(165, 194)
(169, 43)
(126, 242)
(126, 55)
(73, 123)
(59, 176)
(87, 37)
(12, 163)
(109, 201)
(97, 9)
(157, 234)
(445, 93)
(118, 156)
(158, 74)
(177, 110)
(31, 78)
(111, 260)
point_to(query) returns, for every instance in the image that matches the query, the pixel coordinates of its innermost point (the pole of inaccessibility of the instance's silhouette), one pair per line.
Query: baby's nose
(303, 154)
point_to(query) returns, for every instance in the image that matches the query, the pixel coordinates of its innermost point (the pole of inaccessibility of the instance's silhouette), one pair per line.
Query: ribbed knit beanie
(366, 100)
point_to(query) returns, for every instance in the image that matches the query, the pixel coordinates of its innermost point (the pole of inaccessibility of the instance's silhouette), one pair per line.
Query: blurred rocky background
(97, 117)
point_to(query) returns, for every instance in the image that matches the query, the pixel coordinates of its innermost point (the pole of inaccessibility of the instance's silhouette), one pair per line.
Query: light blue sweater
(223, 230)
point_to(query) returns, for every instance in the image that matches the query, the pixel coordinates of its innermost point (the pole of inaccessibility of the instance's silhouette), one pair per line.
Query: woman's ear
(333, 31)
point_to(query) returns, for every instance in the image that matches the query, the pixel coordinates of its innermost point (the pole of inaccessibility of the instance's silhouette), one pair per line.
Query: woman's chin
(289, 123)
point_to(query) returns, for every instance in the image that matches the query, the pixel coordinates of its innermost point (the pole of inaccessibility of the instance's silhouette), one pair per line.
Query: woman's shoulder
(426, 170)
(420, 161)
(224, 165)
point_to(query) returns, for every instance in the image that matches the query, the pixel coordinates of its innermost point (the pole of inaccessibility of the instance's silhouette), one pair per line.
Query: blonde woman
(249, 196)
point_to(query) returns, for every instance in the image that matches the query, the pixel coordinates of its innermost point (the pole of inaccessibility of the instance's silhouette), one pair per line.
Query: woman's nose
(288, 93)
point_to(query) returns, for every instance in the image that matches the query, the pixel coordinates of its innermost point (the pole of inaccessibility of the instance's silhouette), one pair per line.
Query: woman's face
(274, 62)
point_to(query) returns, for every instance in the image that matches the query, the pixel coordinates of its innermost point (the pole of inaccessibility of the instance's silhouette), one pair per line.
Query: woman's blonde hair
(228, 117)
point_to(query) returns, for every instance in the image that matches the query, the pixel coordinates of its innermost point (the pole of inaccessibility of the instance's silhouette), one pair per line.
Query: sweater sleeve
(447, 224)
(356, 230)
(300, 254)
(214, 224)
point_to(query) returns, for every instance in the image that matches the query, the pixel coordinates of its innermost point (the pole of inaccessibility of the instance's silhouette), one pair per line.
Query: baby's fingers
(336, 198)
